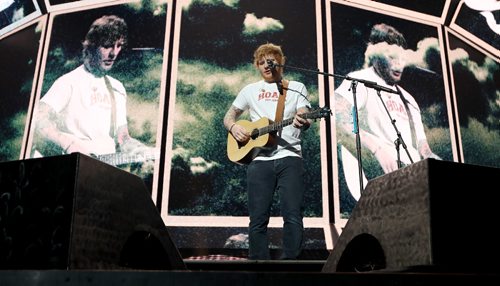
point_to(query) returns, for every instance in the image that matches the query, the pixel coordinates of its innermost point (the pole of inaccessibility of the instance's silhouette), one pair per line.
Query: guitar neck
(121, 159)
(275, 126)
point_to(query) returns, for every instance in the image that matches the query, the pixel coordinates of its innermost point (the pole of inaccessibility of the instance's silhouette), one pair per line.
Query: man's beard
(92, 64)
(384, 72)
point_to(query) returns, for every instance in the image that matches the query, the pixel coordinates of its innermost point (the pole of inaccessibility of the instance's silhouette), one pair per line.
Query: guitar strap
(410, 118)
(112, 128)
(280, 108)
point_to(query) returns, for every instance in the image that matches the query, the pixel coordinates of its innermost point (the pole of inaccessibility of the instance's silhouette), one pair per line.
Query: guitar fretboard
(275, 126)
(123, 158)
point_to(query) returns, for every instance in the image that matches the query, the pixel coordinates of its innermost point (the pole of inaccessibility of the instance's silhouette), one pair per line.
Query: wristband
(230, 128)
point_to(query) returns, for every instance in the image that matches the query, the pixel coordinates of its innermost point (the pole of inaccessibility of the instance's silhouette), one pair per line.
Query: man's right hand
(240, 133)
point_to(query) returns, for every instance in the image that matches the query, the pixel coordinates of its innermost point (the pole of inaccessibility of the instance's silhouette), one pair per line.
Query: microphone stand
(399, 141)
(355, 130)
(354, 82)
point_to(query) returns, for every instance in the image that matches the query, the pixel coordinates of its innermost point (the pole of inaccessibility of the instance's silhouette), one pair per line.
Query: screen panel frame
(25, 19)
(401, 9)
(466, 32)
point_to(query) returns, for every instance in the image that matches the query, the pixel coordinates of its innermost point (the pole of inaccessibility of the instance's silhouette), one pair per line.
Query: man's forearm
(46, 128)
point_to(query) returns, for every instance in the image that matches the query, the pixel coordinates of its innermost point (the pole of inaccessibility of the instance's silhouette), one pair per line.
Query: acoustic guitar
(262, 135)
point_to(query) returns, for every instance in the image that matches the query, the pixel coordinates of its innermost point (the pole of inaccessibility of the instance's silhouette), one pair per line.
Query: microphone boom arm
(367, 83)
(354, 82)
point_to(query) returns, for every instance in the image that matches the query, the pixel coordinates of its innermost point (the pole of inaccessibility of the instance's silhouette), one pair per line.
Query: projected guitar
(262, 135)
(118, 159)
(47, 148)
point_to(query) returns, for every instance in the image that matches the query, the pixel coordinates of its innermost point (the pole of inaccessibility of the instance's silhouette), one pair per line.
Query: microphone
(271, 64)
(375, 86)
(425, 70)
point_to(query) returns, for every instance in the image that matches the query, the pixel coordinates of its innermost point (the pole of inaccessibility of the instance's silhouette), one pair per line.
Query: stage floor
(221, 278)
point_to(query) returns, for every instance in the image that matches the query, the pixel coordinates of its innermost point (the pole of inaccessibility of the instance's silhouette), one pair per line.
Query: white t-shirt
(260, 99)
(83, 104)
(374, 119)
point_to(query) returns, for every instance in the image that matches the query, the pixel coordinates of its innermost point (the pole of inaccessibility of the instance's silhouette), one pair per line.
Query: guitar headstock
(319, 113)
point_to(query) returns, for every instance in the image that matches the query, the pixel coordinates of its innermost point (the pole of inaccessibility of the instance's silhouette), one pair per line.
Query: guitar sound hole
(255, 134)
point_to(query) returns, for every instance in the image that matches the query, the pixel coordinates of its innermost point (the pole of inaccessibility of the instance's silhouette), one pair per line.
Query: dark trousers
(263, 179)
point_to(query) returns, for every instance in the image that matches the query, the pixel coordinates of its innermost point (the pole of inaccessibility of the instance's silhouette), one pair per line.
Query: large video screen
(386, 131)
(102, 86)
(215, 61)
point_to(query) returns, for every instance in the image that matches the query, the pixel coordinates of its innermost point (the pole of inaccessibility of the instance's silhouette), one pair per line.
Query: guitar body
(245, 152)
(263, 136)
